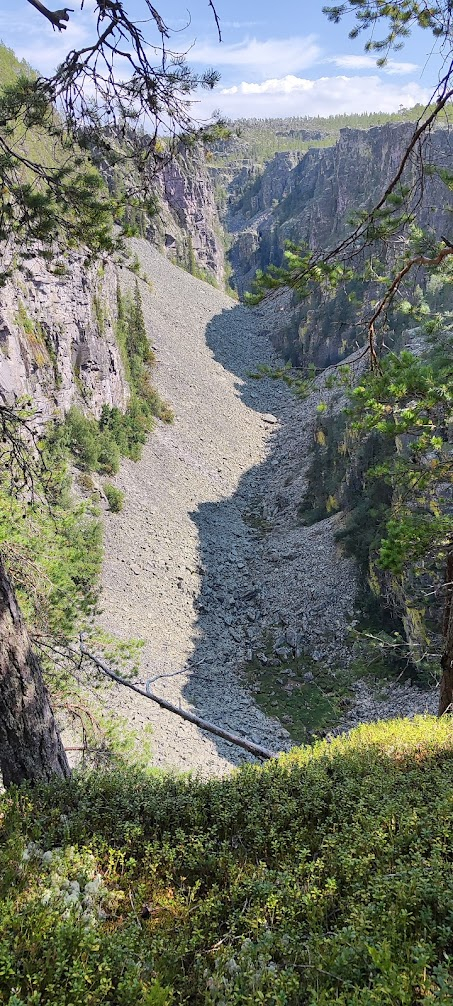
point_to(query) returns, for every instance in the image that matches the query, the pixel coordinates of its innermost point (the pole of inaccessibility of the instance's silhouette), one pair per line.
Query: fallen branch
(254, 749)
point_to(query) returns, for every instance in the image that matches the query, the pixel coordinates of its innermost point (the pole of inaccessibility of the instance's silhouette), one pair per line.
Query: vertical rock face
(187, 226)
(330, 185)
(57, 337)
(312, 202)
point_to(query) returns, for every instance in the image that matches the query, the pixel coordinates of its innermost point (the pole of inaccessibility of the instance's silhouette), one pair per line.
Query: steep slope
(208, 562)
(181, 524)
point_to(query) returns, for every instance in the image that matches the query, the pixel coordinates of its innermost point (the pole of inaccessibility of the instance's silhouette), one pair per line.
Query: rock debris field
(207, 562)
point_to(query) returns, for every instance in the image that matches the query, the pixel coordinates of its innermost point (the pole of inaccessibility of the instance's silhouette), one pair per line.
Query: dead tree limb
(56, 17)
(254, 749)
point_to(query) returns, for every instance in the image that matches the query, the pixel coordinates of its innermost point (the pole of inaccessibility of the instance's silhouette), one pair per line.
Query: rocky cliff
(57, 320)
(57, 337)
(310, 199)
(185, 224)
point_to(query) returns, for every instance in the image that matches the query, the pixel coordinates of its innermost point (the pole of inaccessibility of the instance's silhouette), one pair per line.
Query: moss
(39, 342)
(305, 695)
(34, 335)
(99, 313)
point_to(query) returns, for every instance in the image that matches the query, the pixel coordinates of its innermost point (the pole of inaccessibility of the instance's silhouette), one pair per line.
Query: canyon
(209, 563)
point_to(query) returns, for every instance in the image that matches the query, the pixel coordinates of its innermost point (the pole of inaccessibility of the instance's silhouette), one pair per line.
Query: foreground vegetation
(325, 876)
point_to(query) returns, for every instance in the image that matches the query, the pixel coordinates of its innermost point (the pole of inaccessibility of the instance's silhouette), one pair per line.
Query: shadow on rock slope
(271, 590)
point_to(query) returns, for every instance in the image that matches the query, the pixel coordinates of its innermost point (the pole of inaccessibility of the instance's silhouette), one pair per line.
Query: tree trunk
(446, 683)
(30, 745)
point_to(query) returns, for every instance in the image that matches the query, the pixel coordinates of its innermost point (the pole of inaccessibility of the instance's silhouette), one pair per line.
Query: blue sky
(276, 58)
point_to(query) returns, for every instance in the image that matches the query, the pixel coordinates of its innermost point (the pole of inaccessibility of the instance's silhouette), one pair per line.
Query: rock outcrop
(57, 337)
(186, 226)
(318, 196)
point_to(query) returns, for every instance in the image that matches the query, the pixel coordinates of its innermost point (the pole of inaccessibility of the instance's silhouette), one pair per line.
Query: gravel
(208, 563)
(182, 517)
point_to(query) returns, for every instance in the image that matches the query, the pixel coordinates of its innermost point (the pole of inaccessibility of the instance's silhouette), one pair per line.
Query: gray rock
(283, 652)
(67, 352)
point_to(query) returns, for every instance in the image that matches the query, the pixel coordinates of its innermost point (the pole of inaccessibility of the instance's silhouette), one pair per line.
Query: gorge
(245, 610)
(226, 514)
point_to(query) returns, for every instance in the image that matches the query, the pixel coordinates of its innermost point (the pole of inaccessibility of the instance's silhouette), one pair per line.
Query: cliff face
(187, 227)
(312, 201)
(57, 338)
(330, 185)
(57, 321)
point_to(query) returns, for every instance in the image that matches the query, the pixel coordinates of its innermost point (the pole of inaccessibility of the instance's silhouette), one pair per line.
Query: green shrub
(99, 445)
(324, 877)
(93, 447)
(51, 546)
(109, 454)
(115, 498)
(138, 358)
(80, 434)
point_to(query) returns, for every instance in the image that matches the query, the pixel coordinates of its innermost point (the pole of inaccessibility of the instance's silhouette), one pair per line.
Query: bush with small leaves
(324, 877)
(115, 498)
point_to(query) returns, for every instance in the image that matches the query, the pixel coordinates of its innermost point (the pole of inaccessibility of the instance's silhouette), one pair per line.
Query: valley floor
(207, 563)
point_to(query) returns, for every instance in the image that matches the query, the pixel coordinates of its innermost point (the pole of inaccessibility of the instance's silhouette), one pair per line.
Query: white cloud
(292, 95)
(240, 24)
(34, 40)
(369, 63)
(272, 56)
(44, 54)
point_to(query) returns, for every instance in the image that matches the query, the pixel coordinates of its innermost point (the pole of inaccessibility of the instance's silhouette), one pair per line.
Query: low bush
(324, 877)
(92, 445)
(115, 498)
(51, 545)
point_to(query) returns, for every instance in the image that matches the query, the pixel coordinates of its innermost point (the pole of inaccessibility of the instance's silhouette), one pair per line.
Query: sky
(276, 58)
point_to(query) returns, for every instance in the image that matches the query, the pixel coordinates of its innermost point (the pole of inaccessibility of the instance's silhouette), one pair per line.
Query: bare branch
(57, 18)
(254, 749)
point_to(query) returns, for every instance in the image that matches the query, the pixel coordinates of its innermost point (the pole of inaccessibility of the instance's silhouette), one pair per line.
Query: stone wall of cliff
(186, 226)
(57, 337)
(310, 199)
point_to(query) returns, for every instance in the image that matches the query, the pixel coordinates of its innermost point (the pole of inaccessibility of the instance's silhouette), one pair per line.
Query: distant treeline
(260, 139)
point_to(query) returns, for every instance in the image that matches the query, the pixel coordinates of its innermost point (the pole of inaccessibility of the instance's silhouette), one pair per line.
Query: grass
(324, 877)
